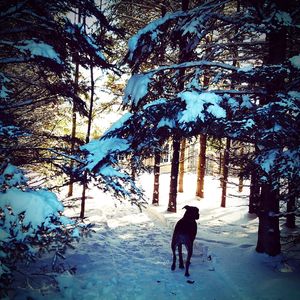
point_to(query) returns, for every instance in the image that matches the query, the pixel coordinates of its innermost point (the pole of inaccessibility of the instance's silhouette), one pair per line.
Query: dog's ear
(186, 207)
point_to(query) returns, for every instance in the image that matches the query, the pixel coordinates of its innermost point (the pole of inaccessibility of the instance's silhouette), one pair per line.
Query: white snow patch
(39, 49)
(197, 104)
(136, 88)
(119, 123)
(295, 61)
(284, 18)
(38, 207)
(129, 255)
(99, 149)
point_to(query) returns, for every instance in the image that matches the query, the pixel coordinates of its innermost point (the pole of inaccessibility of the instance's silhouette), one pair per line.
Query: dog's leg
(174, 257)
(188, 260)
(181, 266)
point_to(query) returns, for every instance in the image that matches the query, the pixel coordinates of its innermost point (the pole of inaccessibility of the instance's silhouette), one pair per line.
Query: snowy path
(130, 258)
(129, 255)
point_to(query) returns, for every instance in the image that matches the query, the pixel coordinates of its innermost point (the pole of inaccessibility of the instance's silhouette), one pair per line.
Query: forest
(91, 92)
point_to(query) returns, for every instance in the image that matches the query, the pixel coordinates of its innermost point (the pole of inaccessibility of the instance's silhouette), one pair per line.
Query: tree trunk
(241, 178)
(220, 163)
(174, 174)
(87, 139)
(203, 140)
(268, 230)
(74, 121)
(176, 138)
(254, 193)
(201, 167)
(291, 206)
(225, 173)
(156, 170)
(157, 154)
(181, 166)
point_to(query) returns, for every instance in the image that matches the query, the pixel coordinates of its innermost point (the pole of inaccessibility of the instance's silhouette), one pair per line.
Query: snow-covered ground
(129, 255)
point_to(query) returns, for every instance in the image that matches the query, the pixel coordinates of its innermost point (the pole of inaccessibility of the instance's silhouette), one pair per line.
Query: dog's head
(192, 212)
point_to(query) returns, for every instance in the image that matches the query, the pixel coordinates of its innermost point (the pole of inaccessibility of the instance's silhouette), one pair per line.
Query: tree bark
(87, 139)
(254, 193)
(225, 173)
(268, 231)
(74, 121)
(181, 165)
(241, 178)
(157, 154)
(172, 207)
(201, 167)
(176, 138)
(156, 170)
(291, 206)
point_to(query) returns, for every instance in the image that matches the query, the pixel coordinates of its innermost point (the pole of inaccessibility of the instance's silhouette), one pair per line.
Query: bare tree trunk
(291, 206)
(201, 167)
(268, 240)
(156, 170)
(172, 207)
(268, 231)
(176, 138)
(73, 135)
(87, 139)
(157, 154)
(241, 179)
(181, 165)
(220, 163)
(225, 173)
(74, 121)
(254, 193)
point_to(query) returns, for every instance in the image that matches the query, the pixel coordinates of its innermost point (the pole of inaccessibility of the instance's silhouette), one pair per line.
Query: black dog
(184, 234)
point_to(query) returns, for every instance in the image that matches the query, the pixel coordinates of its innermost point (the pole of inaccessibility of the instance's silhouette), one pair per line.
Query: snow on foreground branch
(246, 99)
(137, 135)
(31, 223)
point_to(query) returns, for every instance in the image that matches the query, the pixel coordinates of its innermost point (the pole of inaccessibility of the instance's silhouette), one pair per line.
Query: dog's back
(185, 231)
(184, 234)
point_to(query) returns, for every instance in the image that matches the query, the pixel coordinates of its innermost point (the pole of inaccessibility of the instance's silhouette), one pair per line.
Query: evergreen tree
(232, 108)
(39, 45)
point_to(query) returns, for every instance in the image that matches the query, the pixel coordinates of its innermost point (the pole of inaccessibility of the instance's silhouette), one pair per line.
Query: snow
(267, 160)
(119, 123)
(99, 149)
(246, 102)
(246, 68)
(283, 18)
(295, 61)
(136, 88)
(39, 49)
(152, 28)
(109, 171)
(166, 122)
(197, 103)
(249, 124)
(39, 206)
(4, 92)
(129, 255)
(12, 176)
(295, 94)
(155, 102)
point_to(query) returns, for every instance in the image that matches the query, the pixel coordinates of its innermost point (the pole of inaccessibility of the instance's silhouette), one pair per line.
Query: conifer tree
(233, 107)
(39, 46)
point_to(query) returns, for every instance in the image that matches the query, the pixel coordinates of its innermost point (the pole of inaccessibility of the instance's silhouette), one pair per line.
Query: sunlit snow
(197, 103)
(129, 255)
